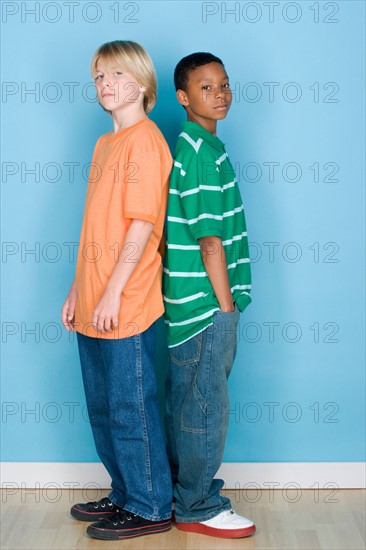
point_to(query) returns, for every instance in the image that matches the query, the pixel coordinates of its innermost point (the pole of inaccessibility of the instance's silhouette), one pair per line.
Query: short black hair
(189, 63)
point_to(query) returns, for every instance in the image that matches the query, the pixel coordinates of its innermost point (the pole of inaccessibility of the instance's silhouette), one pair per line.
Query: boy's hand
(68, 309)
(227, 308)
(106, 311)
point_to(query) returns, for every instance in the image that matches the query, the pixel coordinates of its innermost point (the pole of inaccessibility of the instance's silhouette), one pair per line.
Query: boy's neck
(207, 124)
(128, 118)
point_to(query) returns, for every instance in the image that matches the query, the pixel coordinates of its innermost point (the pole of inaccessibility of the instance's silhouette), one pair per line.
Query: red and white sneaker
(227, 525)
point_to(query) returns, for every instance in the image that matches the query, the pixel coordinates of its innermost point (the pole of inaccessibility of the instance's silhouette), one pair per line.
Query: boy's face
(208, 95)
(116, 89)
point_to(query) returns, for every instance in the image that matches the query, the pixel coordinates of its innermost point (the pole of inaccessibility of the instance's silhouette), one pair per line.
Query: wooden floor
(285, 520)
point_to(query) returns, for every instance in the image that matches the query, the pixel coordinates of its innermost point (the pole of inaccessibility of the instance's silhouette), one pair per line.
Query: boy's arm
(107, 309)
(204, 209)
(213, 256)
(68, 308)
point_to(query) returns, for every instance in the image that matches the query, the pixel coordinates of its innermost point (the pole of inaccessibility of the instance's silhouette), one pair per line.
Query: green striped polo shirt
(204, 200)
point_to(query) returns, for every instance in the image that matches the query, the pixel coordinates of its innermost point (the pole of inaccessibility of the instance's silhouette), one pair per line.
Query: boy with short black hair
(206, 284)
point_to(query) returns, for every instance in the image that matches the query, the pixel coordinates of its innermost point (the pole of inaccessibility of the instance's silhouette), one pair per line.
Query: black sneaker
(125, 525)
(93, 511)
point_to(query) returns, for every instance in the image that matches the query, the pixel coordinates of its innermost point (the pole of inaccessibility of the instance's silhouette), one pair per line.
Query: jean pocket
(187, 353)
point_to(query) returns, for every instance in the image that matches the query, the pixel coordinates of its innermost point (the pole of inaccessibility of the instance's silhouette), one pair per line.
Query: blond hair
(136, 61)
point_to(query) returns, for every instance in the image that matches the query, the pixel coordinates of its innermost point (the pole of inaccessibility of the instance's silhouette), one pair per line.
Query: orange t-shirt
(128, 180)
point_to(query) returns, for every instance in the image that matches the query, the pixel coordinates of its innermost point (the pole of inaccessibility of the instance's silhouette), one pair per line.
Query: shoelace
(101, 503)
(122, 517)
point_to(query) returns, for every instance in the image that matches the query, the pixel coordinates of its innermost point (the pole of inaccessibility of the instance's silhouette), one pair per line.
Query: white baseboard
(237, 475)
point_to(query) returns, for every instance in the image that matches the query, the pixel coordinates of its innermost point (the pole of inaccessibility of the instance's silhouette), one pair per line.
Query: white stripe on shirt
(186, 299)
(203, 188)
(197, 247)
(195, 144)
(184, 246)
(206, 216)
(241, 261)
(235, 238)
(240, 287)
(221, 159)
(185, 273)
(193, 319)
(179, 165)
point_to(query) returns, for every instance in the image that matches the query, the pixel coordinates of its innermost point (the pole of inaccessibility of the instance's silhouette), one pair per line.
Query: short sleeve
(201, 197)
(143, 187)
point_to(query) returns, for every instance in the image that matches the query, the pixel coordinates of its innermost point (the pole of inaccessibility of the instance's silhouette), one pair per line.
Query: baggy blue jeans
(197, 406)
(120, 387)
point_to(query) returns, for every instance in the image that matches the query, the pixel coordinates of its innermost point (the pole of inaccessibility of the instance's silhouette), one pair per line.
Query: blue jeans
(120, 388)
(197, 417)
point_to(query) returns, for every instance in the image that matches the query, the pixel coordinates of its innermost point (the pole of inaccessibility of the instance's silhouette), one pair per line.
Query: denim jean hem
(206, 517)
(114, 499)
(146, 516)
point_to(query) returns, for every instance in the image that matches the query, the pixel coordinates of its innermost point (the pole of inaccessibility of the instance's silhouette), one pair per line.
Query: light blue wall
(297, 388)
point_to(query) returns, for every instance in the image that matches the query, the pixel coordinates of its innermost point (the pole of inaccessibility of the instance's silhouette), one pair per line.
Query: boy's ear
(182, 98)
